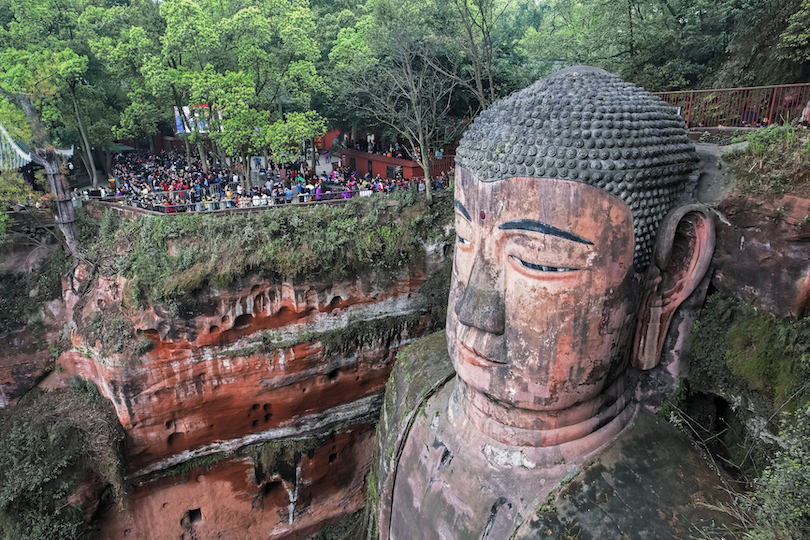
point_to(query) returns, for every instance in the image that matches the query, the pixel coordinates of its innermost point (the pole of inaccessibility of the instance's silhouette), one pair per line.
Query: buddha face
(543, 299)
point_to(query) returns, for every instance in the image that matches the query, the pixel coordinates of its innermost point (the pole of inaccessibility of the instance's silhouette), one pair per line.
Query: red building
(386, 167)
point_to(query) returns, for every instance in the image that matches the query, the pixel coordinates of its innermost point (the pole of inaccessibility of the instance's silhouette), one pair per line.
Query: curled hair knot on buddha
(587, 125)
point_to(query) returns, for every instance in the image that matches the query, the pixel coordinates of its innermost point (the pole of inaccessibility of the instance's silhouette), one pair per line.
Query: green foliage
(280, 457)
(48, 445)
(775, 162)
(675, 403)
(737, 349)
(354, 335)
(111, 328)
(174, 256)
(771, 355)
(88, 227)
(675, 45)
(110, 223)
(18, 305)
(85, 388)
(781, 497)
(143, 346)
(183, 469)
(795, 40)
(763, 360)
(351, 527)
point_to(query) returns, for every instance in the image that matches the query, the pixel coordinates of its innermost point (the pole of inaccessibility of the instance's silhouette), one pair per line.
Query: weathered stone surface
(226, 500)
(205, 383)
(260, 362)
(421, 369)
(22, 367)
(649, 483)
(463, 485)
(763, 252)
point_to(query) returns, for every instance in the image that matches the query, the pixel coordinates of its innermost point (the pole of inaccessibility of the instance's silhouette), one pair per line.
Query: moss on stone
(49, 444)
(418, 368)
(351, 527)
(171, 257)
(281, 457)
(22, 295)
(354, 336)
(739, 350)
(183, 469)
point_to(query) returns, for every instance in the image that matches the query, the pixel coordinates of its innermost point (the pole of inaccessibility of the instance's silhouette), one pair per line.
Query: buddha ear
(683, 253)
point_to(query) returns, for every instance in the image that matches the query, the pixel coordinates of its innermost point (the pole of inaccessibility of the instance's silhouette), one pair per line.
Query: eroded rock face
(763, 252)
(227, 498)
(259, 363)
(215, 377)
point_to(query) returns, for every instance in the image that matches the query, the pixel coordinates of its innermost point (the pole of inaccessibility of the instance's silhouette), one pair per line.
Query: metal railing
(166, 204)
(740, 107)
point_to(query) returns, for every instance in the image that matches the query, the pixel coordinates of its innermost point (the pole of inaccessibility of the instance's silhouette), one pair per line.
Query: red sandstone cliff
(258, 364)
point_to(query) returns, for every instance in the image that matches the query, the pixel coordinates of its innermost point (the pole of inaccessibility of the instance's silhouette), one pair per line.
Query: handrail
(230, 204)
(741, 107)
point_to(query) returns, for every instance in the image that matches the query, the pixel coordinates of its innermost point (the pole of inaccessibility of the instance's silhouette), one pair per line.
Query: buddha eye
(462, 241)
(541, 267)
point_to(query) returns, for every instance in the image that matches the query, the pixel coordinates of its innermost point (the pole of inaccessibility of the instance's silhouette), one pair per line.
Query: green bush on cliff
(170, 257)
(739, 351)
(22, 295)
(50, 444)
(775, 162)
(780, 501)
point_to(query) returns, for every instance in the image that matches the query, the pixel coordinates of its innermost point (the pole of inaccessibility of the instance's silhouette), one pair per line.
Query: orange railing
(740, 107)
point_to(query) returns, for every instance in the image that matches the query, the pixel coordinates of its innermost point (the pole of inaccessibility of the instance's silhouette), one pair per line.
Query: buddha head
(572, 253)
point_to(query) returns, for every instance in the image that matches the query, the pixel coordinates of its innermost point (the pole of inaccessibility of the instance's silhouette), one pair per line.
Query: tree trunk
(65, 214)
(89, 163)
(184, 136)
(424, 162)
(107, 162)
(151, 139)
(314, 169)
(203, 155)
(247, 180)
(44, 155)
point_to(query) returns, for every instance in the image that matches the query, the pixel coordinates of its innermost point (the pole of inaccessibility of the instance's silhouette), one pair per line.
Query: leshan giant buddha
(573, 252)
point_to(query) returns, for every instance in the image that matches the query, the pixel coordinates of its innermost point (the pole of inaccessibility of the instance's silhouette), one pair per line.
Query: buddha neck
(523, 427)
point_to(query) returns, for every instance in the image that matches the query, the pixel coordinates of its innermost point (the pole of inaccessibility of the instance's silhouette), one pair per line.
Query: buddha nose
(481, 304)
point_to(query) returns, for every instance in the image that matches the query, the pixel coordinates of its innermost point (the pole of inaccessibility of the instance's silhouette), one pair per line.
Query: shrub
(174, 256)
(774, 163)
(49, 444)
(17, 305)
(111, 329)
(737, 349)
(781, 497)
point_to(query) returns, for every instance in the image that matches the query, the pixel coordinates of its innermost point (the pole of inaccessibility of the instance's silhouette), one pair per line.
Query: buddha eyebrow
(461, 209)
(544, 228)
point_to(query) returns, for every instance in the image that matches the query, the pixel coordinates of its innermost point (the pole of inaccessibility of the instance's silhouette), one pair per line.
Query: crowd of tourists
(169, 182)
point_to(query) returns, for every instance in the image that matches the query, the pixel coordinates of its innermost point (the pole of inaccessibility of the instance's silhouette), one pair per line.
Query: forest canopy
(103, 70)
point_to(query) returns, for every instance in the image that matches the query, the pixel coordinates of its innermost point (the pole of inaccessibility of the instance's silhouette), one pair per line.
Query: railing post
(689, 109)
(773, 102)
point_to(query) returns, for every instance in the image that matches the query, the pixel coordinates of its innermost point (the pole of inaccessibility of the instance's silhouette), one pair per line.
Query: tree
(405, 93)
(43, 153)
(285, 136)
(29, 81)
(795, 40)
(123, 50)
(475, 38)
(671, 44)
